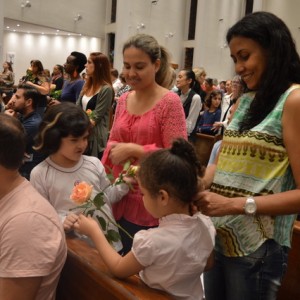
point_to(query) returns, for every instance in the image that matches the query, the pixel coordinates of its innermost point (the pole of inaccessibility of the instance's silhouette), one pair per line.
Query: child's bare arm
(119, 266)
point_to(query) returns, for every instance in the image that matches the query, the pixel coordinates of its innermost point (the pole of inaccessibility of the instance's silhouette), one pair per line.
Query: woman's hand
(121, 152)
(86, 225)
(214, 205)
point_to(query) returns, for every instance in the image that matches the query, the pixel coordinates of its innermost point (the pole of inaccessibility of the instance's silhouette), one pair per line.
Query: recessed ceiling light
(7, 27)
(14, 30)
(57, 30)
(18, 25)
(69, 34)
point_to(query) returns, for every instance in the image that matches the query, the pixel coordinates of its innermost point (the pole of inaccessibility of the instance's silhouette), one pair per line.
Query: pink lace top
(154, 129)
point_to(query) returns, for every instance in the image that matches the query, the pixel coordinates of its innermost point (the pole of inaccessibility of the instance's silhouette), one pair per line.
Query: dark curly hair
(175, 170)
(283, 65)
(60, 121)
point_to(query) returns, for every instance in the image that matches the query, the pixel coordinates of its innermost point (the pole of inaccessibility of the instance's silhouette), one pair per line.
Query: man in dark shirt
(23, 106)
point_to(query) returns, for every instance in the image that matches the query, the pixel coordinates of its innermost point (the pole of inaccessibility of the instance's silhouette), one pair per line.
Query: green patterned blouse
(253, 163)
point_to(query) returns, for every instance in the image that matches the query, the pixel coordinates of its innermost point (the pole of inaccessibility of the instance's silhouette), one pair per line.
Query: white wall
(60, 14)
(214, 17)
(210, 47)
(49, 49)
(288, 11)
(159, 20)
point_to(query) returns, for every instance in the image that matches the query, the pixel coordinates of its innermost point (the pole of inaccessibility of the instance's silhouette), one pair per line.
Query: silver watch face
(250, 206)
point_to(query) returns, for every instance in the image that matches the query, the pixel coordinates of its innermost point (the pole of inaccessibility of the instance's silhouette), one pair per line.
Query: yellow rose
(81, 192)
(132, 170)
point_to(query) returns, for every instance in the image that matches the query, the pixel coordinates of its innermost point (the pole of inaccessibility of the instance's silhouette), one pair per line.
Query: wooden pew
(203, 145)
(85, 277)
(290, 288)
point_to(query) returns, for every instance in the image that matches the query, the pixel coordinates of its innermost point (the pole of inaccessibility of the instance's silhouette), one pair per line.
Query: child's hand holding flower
(69, 222)
(86, 225)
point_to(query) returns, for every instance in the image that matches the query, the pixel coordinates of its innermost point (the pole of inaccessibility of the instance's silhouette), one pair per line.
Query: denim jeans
(253, 277)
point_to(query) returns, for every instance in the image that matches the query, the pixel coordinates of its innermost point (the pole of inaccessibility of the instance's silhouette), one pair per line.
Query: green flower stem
(86, 205)
(115, 223)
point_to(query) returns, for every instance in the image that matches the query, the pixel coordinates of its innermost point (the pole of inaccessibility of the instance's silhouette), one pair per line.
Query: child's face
(71, 149)
(216, 101)
(150, 202)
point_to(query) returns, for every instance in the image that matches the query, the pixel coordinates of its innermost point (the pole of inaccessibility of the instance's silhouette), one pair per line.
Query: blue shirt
(71, 90)
(207, 121)
(31, 124)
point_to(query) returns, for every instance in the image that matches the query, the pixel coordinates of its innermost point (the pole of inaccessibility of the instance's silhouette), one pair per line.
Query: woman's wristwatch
(250, 206)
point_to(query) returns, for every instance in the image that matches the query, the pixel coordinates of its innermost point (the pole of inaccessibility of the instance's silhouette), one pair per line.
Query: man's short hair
(12, 142)
(31, 92)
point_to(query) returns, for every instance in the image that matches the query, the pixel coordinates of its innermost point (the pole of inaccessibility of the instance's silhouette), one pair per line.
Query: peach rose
(90, 113)
(81, 192)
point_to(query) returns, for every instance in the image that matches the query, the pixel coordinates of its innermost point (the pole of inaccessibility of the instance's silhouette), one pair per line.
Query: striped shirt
(253, 163)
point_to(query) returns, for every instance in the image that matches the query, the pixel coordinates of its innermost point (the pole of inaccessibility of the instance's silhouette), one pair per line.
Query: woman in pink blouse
(147, 118)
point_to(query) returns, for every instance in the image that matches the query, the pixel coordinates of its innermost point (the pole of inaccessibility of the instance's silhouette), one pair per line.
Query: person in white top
(63, 136)
(116, 81)
(237, 89)
(191, 101)
(172, 256)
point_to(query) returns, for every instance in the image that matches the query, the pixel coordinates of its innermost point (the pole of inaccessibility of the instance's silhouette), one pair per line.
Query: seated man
(23, 105)
(32, 248)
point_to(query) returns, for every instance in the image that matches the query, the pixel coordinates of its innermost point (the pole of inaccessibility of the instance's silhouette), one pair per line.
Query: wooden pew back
(203, 145)
(85, 277)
